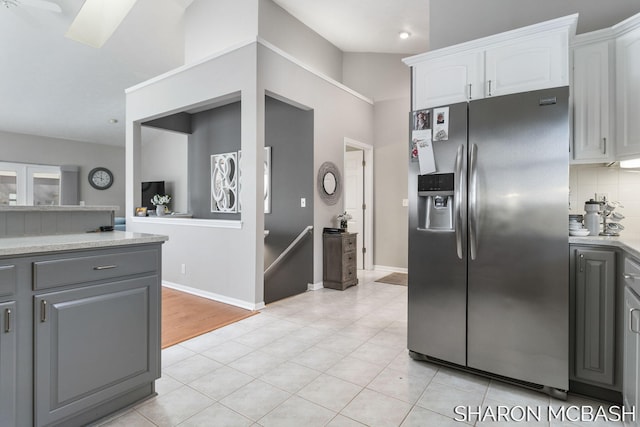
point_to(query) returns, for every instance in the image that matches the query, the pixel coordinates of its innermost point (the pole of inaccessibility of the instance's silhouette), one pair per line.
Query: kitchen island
(79, 325)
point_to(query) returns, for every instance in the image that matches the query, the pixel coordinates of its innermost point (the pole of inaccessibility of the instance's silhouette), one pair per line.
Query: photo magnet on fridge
(441, 124)
(421, 120)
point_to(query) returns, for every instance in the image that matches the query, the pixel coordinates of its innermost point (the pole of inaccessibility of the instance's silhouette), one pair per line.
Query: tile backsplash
(622, 185)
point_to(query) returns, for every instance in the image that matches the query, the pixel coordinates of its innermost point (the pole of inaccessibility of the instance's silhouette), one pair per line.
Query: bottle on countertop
(592, 217)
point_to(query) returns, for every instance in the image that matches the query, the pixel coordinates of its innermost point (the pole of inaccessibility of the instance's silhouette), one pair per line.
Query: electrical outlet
(303, 202)
(405, 202)
(183, 269)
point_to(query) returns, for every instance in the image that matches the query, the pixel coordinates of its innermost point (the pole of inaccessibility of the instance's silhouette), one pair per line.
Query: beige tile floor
(323, 358)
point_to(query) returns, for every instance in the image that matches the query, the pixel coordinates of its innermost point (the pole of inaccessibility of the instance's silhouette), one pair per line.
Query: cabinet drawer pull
(604, 140)
(7, 320)
(581, 263)
(631, 276)
(631, 320)
(43, 311)
(469, 97)
(104, 267)
(489, 87)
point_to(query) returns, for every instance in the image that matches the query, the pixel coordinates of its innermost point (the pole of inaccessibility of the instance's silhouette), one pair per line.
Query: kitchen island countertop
(64, 242)
(631, 244)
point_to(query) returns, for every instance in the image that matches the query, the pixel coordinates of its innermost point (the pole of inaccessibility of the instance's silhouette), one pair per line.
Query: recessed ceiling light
(405, 35)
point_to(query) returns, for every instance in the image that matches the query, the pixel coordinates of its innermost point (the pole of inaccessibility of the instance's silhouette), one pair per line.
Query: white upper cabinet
(529, 58)
(592, 100)
(529, 64)
(448, 80)
(628, 91)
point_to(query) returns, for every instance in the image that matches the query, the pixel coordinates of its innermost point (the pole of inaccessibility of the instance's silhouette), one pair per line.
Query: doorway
(358, 197)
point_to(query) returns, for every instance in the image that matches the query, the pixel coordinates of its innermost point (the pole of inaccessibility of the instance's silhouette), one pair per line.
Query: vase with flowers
(161, 202)
(343, 218)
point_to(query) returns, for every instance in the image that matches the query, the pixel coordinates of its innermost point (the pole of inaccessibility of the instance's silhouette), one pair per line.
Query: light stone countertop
(51, 208)
(64, 242)
(629, 243)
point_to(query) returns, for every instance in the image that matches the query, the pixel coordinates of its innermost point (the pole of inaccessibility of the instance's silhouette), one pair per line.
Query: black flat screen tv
(150, 189)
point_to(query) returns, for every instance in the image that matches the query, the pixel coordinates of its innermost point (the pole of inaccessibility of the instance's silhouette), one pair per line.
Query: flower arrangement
(161, 200)
(343, 218)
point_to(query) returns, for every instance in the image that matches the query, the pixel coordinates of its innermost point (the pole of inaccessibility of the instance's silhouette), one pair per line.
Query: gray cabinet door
(7, 364)
(93, 344)
(594, 358)
(631, 380)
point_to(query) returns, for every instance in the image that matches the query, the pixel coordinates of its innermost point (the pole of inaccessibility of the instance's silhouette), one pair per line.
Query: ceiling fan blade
(97, 20)
(41, 4)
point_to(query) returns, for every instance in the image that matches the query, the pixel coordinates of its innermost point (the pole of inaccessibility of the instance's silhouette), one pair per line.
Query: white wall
(225, 263)
(386, 79)
(16, 147)
(281, 29)
(164, 158)
(212, 26)
(619, 184)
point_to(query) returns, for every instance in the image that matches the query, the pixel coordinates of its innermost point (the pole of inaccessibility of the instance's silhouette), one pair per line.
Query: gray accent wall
(289, 133)
(214, 131)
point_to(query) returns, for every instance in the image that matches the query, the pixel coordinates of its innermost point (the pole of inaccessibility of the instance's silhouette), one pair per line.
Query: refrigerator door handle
(473, 201)
(457, 201)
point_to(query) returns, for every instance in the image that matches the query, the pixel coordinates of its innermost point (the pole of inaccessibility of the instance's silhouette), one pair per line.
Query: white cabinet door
(628, 95)
(448, 80)
(592, 141)
(529, 64)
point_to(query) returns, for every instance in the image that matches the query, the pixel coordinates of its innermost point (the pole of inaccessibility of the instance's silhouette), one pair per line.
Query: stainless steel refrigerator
(488, 242)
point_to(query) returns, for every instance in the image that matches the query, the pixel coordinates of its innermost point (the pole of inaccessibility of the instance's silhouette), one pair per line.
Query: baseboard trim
(315, 286)
(390, 269)
(215, 297)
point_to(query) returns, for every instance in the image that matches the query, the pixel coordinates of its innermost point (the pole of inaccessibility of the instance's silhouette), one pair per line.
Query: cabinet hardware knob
(7, 320)
(104, 267)
(43, 311)
(631, 320)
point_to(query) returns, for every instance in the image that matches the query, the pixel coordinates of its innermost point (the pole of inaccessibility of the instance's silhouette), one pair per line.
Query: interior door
(354, 197)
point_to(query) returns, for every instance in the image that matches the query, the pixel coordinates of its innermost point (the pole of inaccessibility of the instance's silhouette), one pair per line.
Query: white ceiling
(366, 25)
(53, 86)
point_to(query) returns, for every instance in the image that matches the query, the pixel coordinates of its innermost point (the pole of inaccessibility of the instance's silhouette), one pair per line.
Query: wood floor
(185, 316)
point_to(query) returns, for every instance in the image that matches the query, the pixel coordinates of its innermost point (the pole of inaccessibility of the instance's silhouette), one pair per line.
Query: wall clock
(100, 178)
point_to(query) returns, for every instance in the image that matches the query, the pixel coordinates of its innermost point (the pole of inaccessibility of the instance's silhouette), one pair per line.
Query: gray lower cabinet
(92, 344)
(631, 381)
(594, 317)
(79, 334)
(8, 351)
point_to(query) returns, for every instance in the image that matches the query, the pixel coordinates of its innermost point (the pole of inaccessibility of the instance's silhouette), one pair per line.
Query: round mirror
(329, 183)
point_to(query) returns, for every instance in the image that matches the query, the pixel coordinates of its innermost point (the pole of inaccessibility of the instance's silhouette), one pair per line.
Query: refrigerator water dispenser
(435, 202)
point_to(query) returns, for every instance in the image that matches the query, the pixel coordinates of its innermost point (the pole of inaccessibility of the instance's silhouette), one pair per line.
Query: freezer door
(518, 302)
(437, 258)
